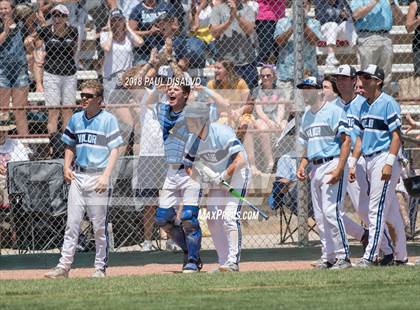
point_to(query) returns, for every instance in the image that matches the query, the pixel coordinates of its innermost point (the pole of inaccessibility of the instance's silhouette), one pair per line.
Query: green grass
(375, 288)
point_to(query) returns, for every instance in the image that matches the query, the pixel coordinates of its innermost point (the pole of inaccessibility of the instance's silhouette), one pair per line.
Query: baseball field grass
(374, 288)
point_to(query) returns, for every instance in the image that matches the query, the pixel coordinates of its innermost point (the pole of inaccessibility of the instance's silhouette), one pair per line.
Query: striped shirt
(93, 138)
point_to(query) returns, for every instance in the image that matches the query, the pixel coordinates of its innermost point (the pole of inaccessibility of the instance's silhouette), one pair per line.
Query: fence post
(298, 42)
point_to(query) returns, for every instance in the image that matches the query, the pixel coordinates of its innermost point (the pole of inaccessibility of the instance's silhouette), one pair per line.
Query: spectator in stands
(359, 89)
(413, 23)
(412, 124)
(232, 25)
(270, 110)
(126, 6)
(373, 22)
(14, 79)
(239, 113)
(270, 11)
(118, 41)
(148, 19)
(201, 38)
(60, 82)
(286, 61)
(336, 23)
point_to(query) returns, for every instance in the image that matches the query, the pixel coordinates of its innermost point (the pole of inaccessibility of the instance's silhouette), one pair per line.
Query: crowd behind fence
(237, 54)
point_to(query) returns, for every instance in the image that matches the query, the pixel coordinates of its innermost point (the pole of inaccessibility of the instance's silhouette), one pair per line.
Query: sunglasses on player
(86, 96)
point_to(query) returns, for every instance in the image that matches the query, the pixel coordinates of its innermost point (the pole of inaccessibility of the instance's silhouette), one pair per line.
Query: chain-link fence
(238, 56)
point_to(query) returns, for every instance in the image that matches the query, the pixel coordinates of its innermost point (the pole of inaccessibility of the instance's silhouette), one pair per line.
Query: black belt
(373, 154)
(373, 31)
(322, 160)
(88, 170)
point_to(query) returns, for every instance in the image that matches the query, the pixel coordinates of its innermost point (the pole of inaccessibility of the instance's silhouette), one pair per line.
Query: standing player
(324, 131)
(93, 136)
(378, 124)
(358, 188)
(217, 147)
(179, 187)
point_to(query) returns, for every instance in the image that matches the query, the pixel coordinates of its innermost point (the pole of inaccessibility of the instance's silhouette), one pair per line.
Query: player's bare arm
(301, 171)
(392, 156)
(357, 150)
(103, 181)
(68, 159)
(238, 163)
(344, 154)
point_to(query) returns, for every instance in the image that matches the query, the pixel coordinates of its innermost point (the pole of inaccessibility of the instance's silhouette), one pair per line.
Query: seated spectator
(286, 60)
(201, 38)
(147, 19)
(239, 113)
(118, 41)
(373, 22)
(232, 25)
(270, 111)
(270, 11)
(336, 23)
(413, 23)
(60, 82)
(14, 79)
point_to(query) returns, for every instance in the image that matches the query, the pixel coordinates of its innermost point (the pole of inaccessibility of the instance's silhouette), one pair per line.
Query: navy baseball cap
(345, 70)
(374, 71)
(310, 82)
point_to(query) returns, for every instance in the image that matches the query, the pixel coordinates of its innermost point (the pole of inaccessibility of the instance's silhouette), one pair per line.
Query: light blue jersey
(378, 19)
(287, 166)
(93, 138)
(352, 110)
(321, 132)
(216, 150)
(376, 122)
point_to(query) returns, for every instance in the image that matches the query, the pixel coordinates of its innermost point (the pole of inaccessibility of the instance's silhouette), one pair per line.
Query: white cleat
(99, 274)
(57, 273)
(229, 267)
(147, 246)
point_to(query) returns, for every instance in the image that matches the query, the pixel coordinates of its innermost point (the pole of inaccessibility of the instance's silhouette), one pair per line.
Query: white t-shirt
(12, 150)
(120, 57)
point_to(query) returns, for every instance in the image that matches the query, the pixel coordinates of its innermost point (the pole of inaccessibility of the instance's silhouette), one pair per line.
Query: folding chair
(38, 198)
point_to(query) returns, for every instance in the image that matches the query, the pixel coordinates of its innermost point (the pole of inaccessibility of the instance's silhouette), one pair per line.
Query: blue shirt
(321, 132)
(326, 12)
(216, 150)
(376, 122)
(93, 138)
(378, 19)
(12, 51)
(286, 59)
(352, 110)
(287, 166)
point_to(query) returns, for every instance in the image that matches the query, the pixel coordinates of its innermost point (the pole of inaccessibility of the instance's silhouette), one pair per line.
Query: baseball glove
(412, 185)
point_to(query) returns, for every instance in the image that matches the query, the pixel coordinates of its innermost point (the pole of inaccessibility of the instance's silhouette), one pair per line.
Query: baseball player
(93, 136)
(178, 186)
(217, 148)
(324, 131)
(358, 189)
(378, 124)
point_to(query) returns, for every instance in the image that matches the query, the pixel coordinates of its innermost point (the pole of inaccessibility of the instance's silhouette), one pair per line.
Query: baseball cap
(374, 71)
(197, 110)
(345, 70)
(116, 13)
(310, 82)
(62, 9)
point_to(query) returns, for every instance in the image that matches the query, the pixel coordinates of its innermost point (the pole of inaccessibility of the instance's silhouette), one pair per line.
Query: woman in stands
(413, 23)
(60, 82)
(14, 79)
(117, 40)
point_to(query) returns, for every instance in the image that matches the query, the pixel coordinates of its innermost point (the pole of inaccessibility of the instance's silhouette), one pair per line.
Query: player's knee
(165, 218)
(189, 218)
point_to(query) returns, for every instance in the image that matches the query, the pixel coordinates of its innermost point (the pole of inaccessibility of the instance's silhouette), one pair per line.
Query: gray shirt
(234, 44)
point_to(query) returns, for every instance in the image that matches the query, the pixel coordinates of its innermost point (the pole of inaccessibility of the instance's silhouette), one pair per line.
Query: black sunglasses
(266, 76)
(366, 76)
(56, 14)
(87, 96)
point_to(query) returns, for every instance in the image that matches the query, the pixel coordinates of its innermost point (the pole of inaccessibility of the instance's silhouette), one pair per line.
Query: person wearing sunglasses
(92, 139)
(60, 82)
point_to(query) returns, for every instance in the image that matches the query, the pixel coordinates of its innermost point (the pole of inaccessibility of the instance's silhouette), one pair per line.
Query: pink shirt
(271, 9)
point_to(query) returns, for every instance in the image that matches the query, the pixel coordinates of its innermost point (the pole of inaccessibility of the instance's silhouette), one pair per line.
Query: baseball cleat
(324, 265)
(57, 273)
(99, 274)
(364, 263)
(147, 246)
(365, 240)
(401, 262)
(387, 260)
(229, 267)
(342, 264)
(190, 267)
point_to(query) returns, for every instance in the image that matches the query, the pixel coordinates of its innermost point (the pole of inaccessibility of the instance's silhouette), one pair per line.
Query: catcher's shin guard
(166, 219)
(192, 230)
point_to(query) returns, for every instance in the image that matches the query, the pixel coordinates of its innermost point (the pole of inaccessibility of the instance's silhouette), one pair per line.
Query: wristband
(390, 159)
(352, 162)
